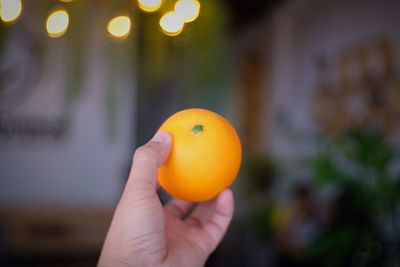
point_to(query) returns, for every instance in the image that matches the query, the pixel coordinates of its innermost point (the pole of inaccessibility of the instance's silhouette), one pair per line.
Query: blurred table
(52, 237)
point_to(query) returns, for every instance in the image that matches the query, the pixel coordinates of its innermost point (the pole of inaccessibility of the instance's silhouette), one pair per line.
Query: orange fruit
(205, 157)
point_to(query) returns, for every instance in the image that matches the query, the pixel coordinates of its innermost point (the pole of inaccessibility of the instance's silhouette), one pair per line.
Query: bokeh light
(10, 10)
(57, 23)
(188, 9)
(171, 24)
(149, 5)
(119, 27)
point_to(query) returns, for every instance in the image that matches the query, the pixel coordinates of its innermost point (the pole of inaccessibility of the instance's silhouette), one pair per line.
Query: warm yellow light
(119, 27)
(171, 24)
(57, 23)
(66, 1)
(10, 10)
(188, 9)
(149, 5)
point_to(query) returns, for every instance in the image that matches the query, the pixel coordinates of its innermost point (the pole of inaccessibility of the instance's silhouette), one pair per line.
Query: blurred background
(312, 86)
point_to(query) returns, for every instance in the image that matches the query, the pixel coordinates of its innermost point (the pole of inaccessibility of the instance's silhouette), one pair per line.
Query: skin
(145, 233)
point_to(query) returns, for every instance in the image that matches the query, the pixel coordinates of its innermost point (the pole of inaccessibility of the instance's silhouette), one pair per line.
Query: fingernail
(161, 137)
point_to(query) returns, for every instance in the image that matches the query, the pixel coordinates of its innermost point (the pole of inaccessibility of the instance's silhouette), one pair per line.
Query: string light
(149, 5)
(171, 24)
(188, 9)
(10, 10)
(119, 27)
(57, 23)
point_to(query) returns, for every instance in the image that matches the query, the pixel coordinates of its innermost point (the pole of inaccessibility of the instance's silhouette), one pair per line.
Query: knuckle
(145, 153)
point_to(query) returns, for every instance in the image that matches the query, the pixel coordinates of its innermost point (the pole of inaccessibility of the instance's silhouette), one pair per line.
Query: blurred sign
(25, 113)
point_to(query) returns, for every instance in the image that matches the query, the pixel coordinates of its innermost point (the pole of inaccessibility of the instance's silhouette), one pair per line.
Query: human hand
(145, 233)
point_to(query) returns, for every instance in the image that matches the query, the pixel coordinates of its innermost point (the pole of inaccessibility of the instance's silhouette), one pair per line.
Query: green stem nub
(197, 128)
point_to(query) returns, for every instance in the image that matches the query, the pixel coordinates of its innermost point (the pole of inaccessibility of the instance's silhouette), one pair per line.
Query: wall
(302, 32)
(57, 149)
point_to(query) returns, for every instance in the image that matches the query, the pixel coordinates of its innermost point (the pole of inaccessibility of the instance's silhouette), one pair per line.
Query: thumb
(146, 160)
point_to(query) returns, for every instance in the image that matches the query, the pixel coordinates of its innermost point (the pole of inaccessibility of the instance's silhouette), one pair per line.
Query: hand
(145, 233)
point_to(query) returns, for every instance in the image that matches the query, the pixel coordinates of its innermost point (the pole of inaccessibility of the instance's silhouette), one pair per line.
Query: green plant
(358, 164)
